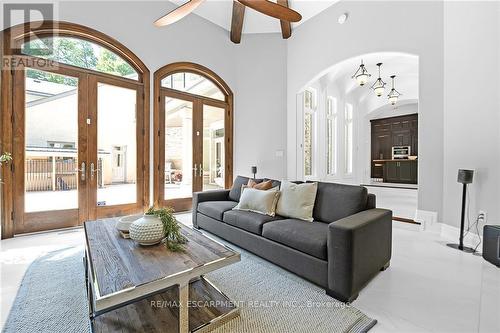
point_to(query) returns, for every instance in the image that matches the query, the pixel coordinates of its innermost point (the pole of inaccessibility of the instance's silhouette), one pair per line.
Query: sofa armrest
(198, 197)
(359, 246)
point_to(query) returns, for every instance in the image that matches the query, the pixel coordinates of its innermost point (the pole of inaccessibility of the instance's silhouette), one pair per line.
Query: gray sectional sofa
(345, 246)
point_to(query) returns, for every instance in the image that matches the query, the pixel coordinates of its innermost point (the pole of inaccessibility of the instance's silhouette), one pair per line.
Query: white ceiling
(220, 11)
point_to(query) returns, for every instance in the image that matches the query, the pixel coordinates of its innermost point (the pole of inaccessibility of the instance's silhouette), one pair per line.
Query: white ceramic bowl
(124, 222)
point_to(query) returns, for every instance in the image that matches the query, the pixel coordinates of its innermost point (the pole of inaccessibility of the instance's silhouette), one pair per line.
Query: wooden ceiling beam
(286, 26)
(237, 21)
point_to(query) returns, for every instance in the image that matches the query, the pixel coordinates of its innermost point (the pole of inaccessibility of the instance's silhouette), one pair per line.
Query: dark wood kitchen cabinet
(389, 132)
(404, 171)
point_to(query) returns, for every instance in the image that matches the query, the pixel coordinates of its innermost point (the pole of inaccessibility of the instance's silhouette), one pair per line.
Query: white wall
(260, 126)
(472, 121)
(387, 26)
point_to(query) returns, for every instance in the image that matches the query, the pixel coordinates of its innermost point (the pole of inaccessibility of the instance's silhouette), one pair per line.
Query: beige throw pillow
(297, 200)
(259, 201)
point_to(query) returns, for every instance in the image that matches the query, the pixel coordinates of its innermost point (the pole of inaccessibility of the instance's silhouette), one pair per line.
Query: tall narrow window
(331, 136)
(309, 115)
(348, 138)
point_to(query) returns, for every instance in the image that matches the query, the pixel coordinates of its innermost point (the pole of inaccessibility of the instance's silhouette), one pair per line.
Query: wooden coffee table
(134, 288)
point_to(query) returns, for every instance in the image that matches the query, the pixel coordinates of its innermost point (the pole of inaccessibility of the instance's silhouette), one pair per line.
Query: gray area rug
(52, 298)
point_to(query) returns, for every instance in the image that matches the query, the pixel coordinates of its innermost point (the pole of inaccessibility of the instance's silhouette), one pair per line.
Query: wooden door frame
(96, 212)
(158, 122)
(35, 221)
(11, 39)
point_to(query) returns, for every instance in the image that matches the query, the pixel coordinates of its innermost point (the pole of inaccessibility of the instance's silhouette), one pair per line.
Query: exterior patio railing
(50, 174)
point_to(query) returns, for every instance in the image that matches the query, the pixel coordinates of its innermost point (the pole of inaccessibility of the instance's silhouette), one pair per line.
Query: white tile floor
(428, 287)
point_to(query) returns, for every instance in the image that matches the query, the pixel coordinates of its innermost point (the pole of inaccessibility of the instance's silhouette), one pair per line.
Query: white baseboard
(426, 218)
(452, 234)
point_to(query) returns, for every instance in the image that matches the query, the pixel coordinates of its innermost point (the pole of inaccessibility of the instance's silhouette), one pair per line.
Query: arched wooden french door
(77, 127)
(193, 126)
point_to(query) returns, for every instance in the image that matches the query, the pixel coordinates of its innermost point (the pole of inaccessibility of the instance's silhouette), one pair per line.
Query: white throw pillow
(259, 201)
(297, 200)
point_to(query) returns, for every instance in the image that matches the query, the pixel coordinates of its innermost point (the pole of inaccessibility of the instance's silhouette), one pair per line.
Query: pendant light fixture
(379, 85)
(393, 94)
(361, 75)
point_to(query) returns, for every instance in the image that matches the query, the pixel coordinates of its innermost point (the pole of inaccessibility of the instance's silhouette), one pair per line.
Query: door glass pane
(80, 53)
(51, 142)
(116, 169)
(193, 84)
(213, 148)
(178, 148)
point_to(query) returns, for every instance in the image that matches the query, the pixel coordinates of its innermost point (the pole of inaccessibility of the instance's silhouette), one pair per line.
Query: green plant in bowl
(173, 240)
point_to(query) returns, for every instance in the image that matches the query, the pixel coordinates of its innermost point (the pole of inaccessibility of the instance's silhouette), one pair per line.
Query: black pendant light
(393, 94)
(361, 75)
(379, 85)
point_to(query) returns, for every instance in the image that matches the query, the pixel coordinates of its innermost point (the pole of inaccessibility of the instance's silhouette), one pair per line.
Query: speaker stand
(460, 246)
(464, 248)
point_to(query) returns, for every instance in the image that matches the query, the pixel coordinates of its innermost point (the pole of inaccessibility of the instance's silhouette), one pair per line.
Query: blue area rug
(52, 298)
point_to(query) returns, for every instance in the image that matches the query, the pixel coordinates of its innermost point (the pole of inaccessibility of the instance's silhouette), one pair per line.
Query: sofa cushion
(263, 185)
(215, 209)
(235, 192)
(248, 221)
(275, 183)
(259, 201)
(336, 201)
(297, 200)
(307, 237)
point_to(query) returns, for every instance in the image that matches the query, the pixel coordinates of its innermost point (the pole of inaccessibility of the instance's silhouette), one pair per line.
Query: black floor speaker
(491, 244)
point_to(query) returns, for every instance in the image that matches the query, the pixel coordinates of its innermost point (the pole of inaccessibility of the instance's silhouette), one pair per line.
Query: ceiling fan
(279, 10)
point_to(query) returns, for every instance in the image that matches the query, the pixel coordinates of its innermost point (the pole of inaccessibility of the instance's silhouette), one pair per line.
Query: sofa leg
(341, 298)
(385, 266)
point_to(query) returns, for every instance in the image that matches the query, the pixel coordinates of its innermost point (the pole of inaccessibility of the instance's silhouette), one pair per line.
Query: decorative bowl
(147, 230)
(123, 223)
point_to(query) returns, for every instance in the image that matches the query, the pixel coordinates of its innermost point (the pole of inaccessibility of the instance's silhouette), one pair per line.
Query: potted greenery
(4, 158)
(158, 224)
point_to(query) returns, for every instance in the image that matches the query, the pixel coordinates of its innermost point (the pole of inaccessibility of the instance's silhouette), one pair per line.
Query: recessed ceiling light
(343, 18)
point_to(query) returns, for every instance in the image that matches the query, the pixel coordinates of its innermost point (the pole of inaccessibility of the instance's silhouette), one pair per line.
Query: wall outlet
(484, 214)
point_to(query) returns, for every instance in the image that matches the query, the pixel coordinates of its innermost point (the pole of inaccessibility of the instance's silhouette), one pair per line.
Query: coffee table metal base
(199, 307)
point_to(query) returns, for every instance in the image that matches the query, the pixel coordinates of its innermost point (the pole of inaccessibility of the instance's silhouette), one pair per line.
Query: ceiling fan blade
(273, 9)
(178, 13)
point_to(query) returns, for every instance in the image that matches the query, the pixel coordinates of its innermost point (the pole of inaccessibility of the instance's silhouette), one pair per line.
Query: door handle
(195, 169)
(201, 170)
(82, 172)
(92, 170)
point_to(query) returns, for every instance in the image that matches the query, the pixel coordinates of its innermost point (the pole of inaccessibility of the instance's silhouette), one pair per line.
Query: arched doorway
(78, 101)
(347, 133)
(193, 119)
